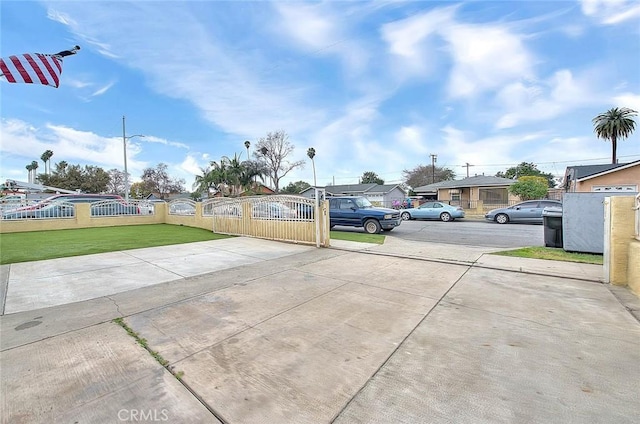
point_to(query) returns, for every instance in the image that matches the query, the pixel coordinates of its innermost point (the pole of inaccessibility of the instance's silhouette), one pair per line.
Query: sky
(376, 86)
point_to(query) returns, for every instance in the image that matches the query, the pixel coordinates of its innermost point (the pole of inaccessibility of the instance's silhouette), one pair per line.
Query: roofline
(609, 171)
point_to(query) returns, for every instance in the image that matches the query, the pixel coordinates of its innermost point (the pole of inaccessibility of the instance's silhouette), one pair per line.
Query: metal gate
(278, 217)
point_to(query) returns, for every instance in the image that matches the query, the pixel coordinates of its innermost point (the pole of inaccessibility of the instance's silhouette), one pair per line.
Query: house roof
(585, 172)
(475, 181)
(429, 188)
(356, 189)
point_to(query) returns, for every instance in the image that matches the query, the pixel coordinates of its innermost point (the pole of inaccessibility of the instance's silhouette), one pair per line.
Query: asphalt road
(471, 232)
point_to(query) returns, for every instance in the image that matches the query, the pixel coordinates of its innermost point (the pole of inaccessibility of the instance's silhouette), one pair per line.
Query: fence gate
(279, 217)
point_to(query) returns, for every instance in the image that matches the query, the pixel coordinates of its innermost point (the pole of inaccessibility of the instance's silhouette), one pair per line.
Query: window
(493, 195)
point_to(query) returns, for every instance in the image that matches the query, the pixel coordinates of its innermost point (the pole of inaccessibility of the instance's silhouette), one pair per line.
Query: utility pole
(434, 158)
(467, 166)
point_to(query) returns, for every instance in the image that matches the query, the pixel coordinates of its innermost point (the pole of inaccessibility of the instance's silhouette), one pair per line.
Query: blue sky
(372, 86)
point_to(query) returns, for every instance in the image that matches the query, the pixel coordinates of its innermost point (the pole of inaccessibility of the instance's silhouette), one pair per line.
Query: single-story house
(477, 192)
(607, 178)
(378, 194)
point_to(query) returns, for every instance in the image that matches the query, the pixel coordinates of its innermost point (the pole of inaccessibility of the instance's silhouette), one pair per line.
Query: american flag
(34, 68)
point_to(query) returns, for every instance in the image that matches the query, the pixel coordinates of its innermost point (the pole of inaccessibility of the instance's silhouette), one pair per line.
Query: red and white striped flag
(35, 68)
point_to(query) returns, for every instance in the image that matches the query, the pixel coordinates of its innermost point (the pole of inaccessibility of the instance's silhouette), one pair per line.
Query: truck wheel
(372, 226)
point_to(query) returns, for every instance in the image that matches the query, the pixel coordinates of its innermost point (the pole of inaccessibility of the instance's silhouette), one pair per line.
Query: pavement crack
(397, 348)
(116, 304)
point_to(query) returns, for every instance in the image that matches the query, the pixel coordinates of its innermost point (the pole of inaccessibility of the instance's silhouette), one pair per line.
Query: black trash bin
(552, 220)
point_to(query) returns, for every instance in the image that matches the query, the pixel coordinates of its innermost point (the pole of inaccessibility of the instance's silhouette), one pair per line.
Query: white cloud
(630, 100)
(485, 57)
(611, 12)
(545, 100)
(102, 90)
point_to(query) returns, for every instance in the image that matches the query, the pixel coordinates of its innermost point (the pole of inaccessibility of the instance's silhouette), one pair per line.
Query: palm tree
(247, 144)
(234, 171)
(614, 124)
(204, 183)
(311, 152)
(34, 167)
(46, 159)
(30, 169)
(49, 155)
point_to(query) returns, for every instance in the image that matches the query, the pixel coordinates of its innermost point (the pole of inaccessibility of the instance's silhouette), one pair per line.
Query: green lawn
(360, 237)
(553, 254)
(40, 245)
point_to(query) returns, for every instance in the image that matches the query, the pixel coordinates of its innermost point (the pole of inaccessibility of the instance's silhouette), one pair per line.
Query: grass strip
(553, 254)
(143, 342)
(359, 237)
(41, 245)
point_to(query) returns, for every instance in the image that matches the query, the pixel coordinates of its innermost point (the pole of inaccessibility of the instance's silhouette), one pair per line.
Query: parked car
(273, 210)
(357, 211)
(43, 210)
(59, 205)
(433, 210)
(109, 208)
(529, 211)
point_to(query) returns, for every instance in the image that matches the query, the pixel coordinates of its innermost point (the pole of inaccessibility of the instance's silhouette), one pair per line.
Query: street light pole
(124, 145)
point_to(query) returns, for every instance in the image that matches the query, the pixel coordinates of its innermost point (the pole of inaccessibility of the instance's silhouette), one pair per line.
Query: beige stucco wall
(622, 233)
(83, 219)
(625, 176)
(633, 267)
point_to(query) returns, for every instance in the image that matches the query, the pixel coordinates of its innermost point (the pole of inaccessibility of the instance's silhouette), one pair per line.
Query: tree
(138, 190)
(46, 159)
(614, 124)
(526, 169)
(251, 170)
(116, 182)
(247, 144)
(296, 188)
(273, 150)
(423, 175)
(370, 177)
(157, 180)
(530, 187)
(90, 179)
(34, 168)
(29, 168)
(311, 152)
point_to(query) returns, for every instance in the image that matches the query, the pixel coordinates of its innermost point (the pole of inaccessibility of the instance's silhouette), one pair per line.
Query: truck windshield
(363, 202)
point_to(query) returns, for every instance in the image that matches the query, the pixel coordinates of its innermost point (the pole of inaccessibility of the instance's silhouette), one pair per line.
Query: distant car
(110, 208)
(273, 210)
(433, 210)
(357, 211)
(529, 211)
(56, 206)
(45, 210)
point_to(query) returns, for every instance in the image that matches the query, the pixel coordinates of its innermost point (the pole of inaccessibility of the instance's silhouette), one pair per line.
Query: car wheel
(405, 216)
(445, 217)
(371, 226)
(502, 218)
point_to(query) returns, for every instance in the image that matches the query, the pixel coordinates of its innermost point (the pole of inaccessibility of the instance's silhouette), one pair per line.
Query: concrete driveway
(403, 332)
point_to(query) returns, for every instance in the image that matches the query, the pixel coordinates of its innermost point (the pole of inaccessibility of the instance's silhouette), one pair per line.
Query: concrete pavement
(262, 331)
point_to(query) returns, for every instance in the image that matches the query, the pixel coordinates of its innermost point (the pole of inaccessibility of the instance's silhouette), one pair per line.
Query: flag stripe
(46, 59)
(20, 67)
(36, 69)
(32, 68)
(5, 71)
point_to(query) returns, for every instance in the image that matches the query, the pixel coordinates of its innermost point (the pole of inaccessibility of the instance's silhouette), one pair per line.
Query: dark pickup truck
(357, 211)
